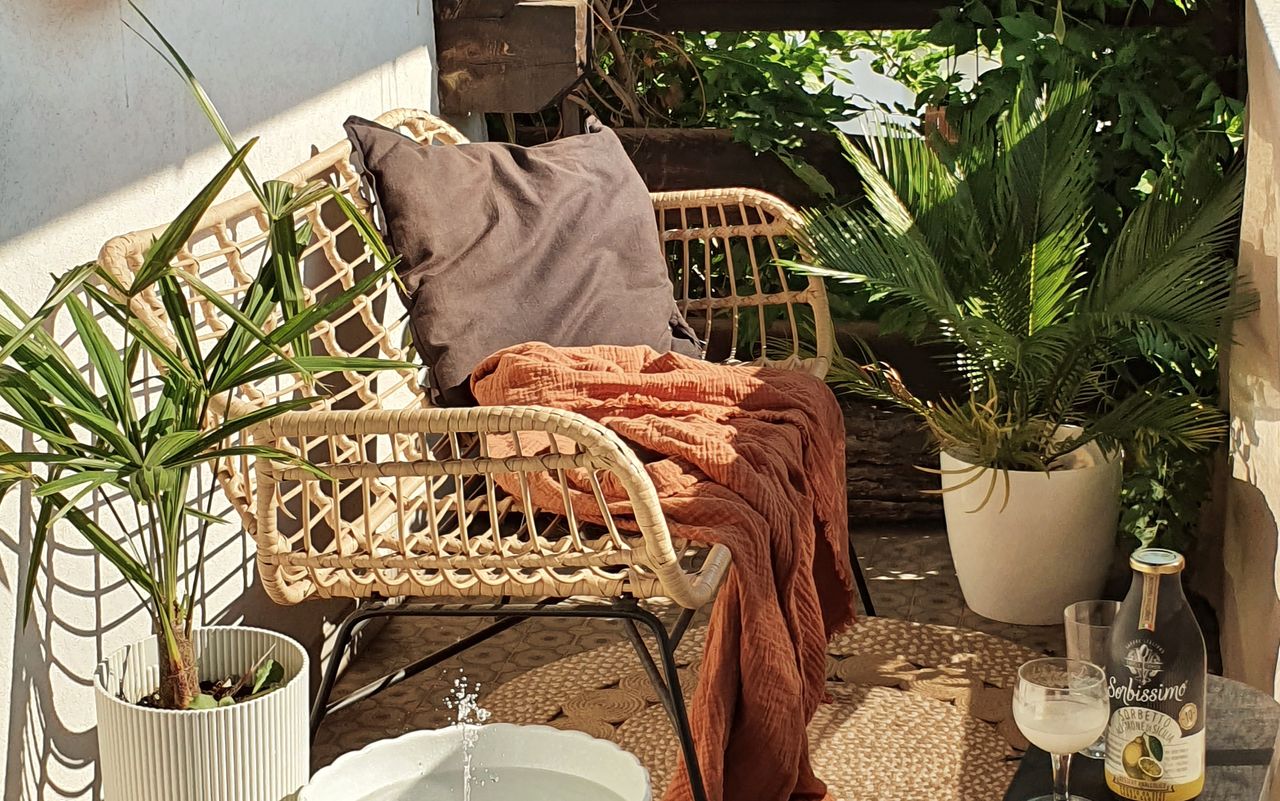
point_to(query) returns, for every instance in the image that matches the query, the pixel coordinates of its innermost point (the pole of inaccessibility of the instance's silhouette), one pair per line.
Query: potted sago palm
(988, 241)
(128, 421)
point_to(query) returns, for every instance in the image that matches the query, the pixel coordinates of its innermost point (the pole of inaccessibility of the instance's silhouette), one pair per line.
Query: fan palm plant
(134, 443)
(132, 440)
(988, 241)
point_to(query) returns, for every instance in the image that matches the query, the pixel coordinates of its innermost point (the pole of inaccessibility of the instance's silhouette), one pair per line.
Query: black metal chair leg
(319, 707)
(860, 579)
(672, 693)
(681, 626)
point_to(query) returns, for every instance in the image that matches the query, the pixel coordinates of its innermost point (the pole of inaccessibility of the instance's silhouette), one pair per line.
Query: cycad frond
(1040, 182)
(1169, 268)
(910, 185)
(860, 247)
(989, 238)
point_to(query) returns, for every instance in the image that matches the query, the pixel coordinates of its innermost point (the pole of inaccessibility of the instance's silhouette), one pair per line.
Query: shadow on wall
(1248, 645)
(98, 111)
(1250, 606)
(54, 657)
(36, 669)
(1250, 601)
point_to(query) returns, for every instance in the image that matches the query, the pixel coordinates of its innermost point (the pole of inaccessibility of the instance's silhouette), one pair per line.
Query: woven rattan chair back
(416, 502)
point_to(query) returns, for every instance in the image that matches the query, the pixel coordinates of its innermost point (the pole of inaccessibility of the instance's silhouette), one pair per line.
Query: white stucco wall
(1250, 609)
(98, 138)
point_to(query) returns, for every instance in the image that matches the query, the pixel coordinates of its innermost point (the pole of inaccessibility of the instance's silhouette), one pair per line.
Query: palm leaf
(1170, 269)
(53, 507)
(988, 239)
(174, 59)
(368, 233)
(259, 451)
(144, 336)
(178, 311)
(63, 287)
(40, 534)
(229, 428)
(106, 360)
(166, 247)
(284, 257)
(317, 365)
(267, 342)
(292, 328)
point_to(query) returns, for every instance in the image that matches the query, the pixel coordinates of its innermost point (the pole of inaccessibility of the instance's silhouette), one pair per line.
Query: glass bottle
(1156, 681)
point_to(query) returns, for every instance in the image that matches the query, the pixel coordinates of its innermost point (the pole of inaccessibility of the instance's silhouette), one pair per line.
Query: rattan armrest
(597, 449)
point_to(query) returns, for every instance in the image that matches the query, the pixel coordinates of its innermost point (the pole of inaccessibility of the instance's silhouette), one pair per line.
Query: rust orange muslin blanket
(749, 457)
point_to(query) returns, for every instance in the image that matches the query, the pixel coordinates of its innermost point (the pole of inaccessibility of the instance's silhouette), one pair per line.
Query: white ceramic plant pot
(258, 750)
(1050, 545)
(508, 763)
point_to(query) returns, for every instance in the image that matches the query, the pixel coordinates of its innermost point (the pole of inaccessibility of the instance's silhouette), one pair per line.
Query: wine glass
(1061, 706)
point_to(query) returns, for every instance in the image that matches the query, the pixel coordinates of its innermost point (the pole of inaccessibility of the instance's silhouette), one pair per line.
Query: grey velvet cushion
(502, 244)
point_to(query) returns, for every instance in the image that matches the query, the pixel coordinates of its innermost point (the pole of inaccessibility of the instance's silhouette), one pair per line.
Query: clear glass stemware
(1061, 706)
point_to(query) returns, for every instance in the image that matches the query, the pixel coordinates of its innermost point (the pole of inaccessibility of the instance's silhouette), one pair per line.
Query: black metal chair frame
(662, 671)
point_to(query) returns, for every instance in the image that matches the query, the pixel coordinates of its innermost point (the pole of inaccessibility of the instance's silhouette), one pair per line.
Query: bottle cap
(1158, 561)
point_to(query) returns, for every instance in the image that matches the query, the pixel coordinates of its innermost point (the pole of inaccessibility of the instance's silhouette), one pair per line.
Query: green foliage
(265, 676)
(1156, 90)
(989, 242)
(1159, 98)
(911, 58)
(1161, 499)
(767, 88)
(131, 441)
(103, 441)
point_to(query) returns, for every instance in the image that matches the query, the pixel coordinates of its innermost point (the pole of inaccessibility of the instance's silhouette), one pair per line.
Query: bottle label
(1150, 757)
(1155, 740)
(1150, 601)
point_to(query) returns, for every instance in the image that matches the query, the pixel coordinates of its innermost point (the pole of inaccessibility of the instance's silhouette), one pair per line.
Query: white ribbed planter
(1049, 546)
(259, 750)
(508, 762)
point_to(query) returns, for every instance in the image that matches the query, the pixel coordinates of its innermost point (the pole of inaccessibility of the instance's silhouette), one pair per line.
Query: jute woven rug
(919, 712)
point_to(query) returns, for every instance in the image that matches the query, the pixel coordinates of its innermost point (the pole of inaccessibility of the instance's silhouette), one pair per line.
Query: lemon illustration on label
(1130, 756)
(1150, 768)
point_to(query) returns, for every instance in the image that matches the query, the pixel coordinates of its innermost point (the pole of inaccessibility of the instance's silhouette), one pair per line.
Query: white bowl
(508, 763)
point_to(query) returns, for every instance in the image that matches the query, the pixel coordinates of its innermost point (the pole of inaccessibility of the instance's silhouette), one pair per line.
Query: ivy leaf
(1147, 182)
(1024, 25)
(203, 701)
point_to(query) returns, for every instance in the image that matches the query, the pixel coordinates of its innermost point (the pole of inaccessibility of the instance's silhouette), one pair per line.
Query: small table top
(1241, 733)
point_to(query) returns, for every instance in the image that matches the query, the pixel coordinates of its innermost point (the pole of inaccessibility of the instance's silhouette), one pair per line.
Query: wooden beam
(473, 9)
(670, 159)
(847, 15)
(519, 63)
(771, 15)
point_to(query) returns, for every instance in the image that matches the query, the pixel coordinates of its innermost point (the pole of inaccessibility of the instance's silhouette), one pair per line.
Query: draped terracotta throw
(749, 457)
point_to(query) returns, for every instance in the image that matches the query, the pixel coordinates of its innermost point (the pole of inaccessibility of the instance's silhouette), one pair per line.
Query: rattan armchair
(412, 510)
